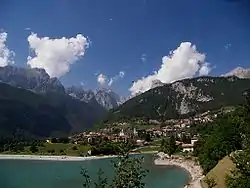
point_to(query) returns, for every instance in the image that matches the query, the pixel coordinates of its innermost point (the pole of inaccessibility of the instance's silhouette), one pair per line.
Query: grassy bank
(219, 172)
(54, 149)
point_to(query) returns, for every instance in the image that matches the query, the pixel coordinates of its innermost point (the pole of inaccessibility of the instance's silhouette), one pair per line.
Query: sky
(125, 45)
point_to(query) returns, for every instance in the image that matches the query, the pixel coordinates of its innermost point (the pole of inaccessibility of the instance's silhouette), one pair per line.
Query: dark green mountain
(182, 98)
(30, 114)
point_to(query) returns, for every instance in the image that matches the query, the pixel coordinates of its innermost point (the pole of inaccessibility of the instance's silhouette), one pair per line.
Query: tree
(74, 148)
(33, 149)
(51, 151)
(224, 139)
(54, 140)
(64, 140)
(240, 177)
(168, 145)
(87, 179)
(148, 138)
(210, 182)
(185, 139)
(102, 182)
(129, 173)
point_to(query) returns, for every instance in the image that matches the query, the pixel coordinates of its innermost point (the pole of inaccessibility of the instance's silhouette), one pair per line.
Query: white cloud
(56, 55)
(111, 81)
(121, 74)
(144, 58)
(205, 69)
(27, 28)
(82, 84)
(227, 46)
(184, 62)
(103, 80)
(116, 77)
(6, 55)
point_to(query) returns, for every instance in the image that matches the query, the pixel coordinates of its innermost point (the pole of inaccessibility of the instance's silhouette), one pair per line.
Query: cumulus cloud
(56, 55)
(6, 55)
(184, 62)
(103, 80)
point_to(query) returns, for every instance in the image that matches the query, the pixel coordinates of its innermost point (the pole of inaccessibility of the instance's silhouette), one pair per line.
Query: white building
(187, 147)
(193, 140)
(121, 133)
(135, 132)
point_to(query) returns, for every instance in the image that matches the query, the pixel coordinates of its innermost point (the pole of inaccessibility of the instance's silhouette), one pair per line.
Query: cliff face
(35, 79)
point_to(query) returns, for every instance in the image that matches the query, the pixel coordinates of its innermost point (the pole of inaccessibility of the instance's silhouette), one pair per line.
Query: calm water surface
(56, 174)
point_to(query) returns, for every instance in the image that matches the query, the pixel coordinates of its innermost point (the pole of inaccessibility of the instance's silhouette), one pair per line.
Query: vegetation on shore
(129, 172)
(228, 136)
(51, 149)
(63, 146)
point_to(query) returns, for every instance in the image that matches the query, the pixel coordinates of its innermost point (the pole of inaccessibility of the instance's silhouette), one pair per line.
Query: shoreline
(51, 157)
(190, 166)
(59, 157)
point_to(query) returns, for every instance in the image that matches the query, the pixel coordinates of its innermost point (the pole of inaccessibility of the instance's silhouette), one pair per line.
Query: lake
(66, 174)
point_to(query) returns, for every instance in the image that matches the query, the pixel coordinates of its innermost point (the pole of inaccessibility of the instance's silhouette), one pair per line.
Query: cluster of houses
(123, 136)
(90, 137)
(205, 117)
(176, 127)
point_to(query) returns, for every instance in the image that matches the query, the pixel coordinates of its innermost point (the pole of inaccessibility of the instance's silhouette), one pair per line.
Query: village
(148, 136)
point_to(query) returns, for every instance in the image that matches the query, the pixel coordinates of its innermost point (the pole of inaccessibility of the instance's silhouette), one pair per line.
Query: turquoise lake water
(56, 174)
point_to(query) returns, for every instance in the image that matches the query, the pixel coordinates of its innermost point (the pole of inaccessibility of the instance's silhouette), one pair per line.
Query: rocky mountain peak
(34, 79)
(157, 83)
(104, 96)
(240, 72)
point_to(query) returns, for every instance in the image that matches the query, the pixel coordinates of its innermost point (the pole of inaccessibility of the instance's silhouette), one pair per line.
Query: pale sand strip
(62, 157)
(51, 158)
(193, 168)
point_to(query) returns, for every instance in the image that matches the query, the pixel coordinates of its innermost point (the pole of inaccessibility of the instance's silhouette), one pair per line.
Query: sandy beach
(51, 158)
(193, 168)
(62, 157)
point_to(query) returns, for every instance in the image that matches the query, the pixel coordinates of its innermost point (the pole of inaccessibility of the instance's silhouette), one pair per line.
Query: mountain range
(37, 80)
(105, 97)
(182, 98)
(32, 104)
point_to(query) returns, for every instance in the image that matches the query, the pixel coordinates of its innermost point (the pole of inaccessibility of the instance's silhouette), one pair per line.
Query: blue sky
(122, 31)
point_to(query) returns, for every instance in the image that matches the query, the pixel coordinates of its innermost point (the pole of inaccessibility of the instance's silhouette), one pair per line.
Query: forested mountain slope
(183, 98)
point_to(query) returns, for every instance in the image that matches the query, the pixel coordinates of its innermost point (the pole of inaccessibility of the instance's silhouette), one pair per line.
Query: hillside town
(147, 136)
